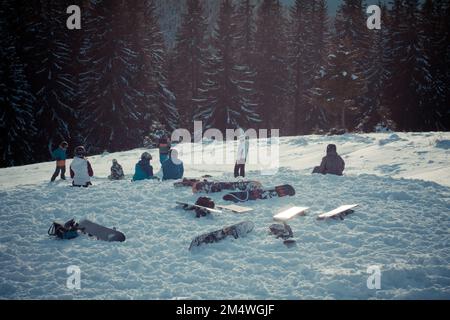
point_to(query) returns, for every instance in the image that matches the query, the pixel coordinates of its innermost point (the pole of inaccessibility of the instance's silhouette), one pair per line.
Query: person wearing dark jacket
(60, 156)
(143, 169)
(332, 163)
(173, 167)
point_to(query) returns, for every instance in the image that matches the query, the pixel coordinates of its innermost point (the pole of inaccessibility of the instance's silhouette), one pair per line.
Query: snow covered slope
(400, 180)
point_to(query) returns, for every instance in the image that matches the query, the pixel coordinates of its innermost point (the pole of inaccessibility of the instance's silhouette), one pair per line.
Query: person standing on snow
(173, 167)
(60, 156)
(164, 146)
(332, 163)
(143, 170)
(116, 171)
(239, 167)
(81, 169)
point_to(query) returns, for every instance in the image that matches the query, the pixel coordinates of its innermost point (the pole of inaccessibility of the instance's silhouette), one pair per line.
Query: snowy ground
(401, 181)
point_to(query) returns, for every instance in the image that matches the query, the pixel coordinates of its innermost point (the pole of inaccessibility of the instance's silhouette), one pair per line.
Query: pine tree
(189, 59)
(374, 112)
(409, 81)
(271, 64)
(17, 108)
(49, 56)
(114, 105)
(344, 82)
(225, 91)
(435, 114)
(159, 100)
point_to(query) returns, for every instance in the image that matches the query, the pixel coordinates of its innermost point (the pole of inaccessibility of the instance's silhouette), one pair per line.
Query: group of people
(81, 170)
(171, 166)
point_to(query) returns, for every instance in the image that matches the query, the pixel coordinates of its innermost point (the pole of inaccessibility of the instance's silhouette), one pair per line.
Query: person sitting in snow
(172, 168)
(116, 171)
(81, 169)
(60, 156)
(332, 163)
(143, 170)
(164, 146)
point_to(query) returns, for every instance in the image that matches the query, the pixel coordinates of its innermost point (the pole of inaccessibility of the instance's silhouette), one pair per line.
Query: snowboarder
(143, 170)
(332, 163)
(239, 167)
(60, 156)
(172, 168)
(116, 171)
(81, 169)
(164, 146)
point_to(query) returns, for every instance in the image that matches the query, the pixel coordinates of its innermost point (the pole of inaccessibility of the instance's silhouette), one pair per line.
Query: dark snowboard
(209, 187)
(187, 182)
(100, 232)
(279, 191)
(237, 231)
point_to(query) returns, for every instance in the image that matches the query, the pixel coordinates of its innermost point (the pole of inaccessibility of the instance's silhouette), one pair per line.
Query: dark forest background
(260, 65)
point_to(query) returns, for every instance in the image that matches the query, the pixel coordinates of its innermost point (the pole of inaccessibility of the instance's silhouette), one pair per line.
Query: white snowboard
(289, 213)
(191, 205)
(235, 208)
(337, 212)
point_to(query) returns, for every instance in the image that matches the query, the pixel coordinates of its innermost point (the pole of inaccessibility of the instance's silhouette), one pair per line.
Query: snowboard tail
(100, 232)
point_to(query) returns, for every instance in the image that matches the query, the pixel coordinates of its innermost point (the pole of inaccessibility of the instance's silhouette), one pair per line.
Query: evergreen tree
(344, 82)
(189, 59)
(17, 107)
(114, 105)
(49, 56)
(271, 64)
(410, 80)
(225, 92)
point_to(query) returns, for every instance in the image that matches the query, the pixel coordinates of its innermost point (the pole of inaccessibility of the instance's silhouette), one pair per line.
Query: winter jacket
(60, 156)
(332, 163)
(81, 171)
(242, 151)
(172, 170)
(164, 146)
(116, 172)
(143, 170)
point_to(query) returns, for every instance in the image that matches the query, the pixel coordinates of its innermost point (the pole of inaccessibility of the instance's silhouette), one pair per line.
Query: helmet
(331, 148)
(64, 144)
(114, 161)
(146, 155)
(80, 151)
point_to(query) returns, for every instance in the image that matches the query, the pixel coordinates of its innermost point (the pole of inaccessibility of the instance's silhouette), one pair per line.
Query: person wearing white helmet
(81, 169)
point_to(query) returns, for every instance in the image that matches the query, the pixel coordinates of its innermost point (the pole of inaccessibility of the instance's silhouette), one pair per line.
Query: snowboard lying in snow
(279, 191)
(340, 212)
(238, 230)
(235, 208)
(100, 232)
(289, 213)
(209, 186)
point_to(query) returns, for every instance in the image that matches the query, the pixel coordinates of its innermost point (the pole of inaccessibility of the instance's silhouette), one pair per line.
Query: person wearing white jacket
(81, 169)
(239, 167)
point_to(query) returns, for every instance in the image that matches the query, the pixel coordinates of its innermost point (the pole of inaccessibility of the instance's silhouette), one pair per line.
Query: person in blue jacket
(60, 156)
(143, 169)
(172, 168)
